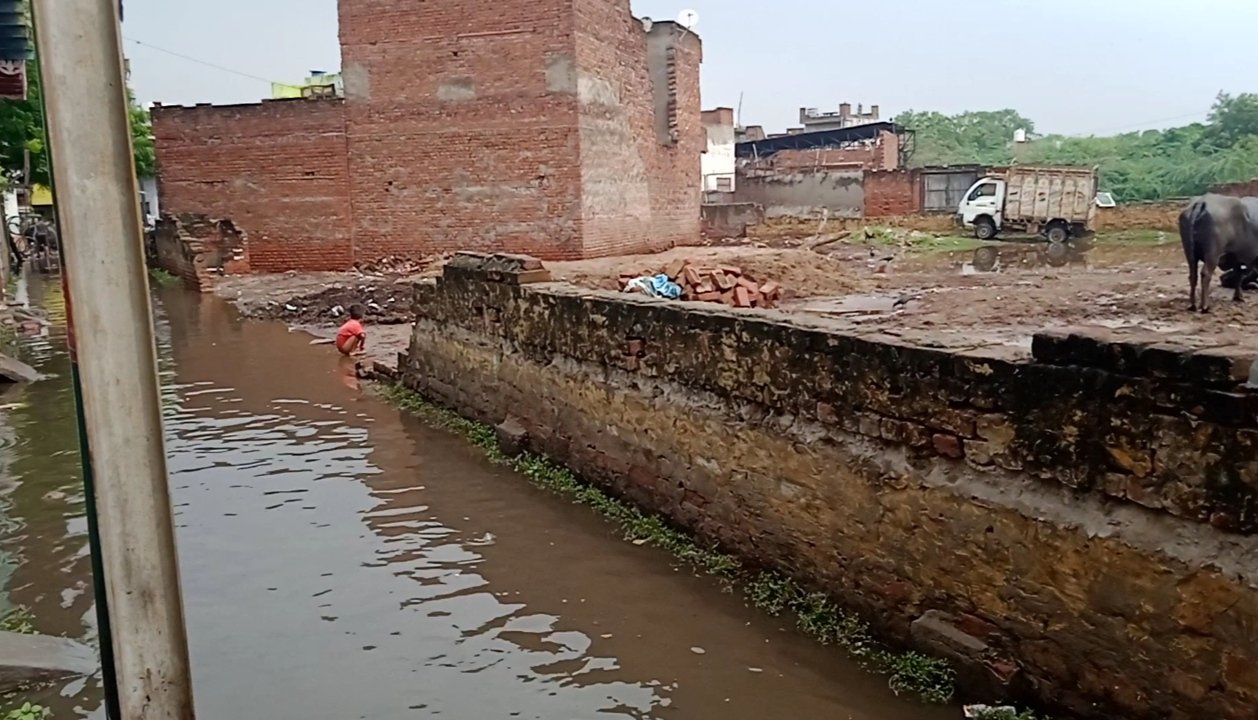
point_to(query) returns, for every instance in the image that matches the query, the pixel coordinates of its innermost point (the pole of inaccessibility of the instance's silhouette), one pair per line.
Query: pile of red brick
(718, 284)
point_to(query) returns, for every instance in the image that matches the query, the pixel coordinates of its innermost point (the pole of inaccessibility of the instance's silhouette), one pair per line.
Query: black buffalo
(1218, 231)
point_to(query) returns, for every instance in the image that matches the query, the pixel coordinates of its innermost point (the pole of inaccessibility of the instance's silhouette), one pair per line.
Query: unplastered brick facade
(562, 128)
(276, 169)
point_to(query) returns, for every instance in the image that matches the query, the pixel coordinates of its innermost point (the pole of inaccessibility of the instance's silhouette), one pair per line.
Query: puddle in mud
(856, 307)
(340, 560)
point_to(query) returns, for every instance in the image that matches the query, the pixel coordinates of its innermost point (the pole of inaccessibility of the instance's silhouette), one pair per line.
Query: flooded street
(341, 560)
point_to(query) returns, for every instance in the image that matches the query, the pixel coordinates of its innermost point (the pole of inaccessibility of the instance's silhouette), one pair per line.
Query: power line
(206, 63)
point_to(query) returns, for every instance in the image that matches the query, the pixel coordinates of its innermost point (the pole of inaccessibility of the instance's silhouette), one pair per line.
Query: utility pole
(89, 137)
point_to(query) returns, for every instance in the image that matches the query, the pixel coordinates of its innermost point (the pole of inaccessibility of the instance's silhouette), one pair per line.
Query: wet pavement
(341, 560)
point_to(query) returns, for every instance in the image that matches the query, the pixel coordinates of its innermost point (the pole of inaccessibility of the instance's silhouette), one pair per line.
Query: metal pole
(96, 194)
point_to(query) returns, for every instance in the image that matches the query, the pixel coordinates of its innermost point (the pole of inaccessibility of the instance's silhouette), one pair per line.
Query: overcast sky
(1072, 66)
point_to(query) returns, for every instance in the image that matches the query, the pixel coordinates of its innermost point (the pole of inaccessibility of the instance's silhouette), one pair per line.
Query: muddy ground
(318, 303)
(916, 286)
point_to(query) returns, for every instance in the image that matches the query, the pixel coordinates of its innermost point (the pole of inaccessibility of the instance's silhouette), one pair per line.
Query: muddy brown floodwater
(341, 560)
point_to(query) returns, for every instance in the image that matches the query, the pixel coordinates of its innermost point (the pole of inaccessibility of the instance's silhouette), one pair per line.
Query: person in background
(351, 339)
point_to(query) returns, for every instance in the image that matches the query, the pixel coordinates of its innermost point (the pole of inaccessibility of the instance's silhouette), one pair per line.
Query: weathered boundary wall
(1085, 517)
(199, 250)
(276, 168)
(1162, 215)
(730, 219)
(807, 192)
(1245, 188)
(892, 193)
(838, 193)
(794, 227)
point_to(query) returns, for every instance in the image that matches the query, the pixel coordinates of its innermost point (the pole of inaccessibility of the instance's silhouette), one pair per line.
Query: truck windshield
(984, 190)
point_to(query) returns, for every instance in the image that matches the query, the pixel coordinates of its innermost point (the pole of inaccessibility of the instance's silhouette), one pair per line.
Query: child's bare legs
(352, 346)
(347, 368)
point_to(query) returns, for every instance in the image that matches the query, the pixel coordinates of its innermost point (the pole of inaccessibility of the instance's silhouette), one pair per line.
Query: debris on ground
(398, 265)
(726, 284)
(385, 304)
(986, 712)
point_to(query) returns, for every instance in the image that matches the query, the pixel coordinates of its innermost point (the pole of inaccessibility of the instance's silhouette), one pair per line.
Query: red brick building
(562, 128)
(1244, 188)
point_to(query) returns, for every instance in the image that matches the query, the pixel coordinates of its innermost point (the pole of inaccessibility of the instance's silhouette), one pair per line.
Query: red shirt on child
(350, 330)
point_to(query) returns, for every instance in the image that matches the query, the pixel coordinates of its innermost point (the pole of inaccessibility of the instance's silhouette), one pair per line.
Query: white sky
(1072, 66)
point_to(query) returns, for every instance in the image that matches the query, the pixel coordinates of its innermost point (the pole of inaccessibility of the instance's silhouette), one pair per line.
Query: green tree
(142, 138)
(969, 137)
(1147, 165)
(1232, 118)
(22, 130)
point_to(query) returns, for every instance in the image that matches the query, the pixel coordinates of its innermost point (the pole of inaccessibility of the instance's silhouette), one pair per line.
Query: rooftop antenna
(738, 116)
(688, 19)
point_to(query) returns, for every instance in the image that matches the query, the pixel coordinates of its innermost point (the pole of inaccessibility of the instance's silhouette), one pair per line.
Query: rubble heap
(399, 265)
(725, 284)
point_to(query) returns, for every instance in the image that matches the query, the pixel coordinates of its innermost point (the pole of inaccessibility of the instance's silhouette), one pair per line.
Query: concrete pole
(4, 259)
(89, 138)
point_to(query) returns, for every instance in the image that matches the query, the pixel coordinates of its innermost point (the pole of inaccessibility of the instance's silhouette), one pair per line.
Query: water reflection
(342, 561)
(46, 566)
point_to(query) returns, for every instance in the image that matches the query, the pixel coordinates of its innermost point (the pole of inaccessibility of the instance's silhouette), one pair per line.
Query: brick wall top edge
(1174, 445)
(267, 102)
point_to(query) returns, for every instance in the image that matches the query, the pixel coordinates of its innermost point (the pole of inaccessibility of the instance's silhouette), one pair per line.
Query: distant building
(814, 121)
(318, 83)
(717, 162)
(865, 146)
(751, 133)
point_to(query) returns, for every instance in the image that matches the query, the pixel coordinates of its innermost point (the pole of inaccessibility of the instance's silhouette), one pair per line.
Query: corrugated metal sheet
(1040, 194)
(15, 43)
(943, 191)
(812, 140)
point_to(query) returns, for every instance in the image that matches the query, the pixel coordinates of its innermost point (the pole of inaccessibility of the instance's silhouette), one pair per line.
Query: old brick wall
(1246, 188)
(890, 193)
(519, 126)
(1087, 516)
(822, 158)
(199, 249)
(276, 168)
(880, 154)
(640, 128)
(462, 122)
(1162, 215)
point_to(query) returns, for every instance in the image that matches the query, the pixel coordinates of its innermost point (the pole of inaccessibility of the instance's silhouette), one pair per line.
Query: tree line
(1144, 165)
(22, 139)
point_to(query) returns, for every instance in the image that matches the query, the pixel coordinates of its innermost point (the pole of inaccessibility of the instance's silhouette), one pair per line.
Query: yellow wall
(41, 196)
(281, 91)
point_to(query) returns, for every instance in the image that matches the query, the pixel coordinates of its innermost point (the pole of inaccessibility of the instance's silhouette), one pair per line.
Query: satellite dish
(647, 24)
(688, 19)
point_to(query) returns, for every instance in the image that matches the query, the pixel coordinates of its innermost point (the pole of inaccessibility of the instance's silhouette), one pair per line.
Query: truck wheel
(984, 228)
(985, 259)
(1058, 233)
(1057, 253)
